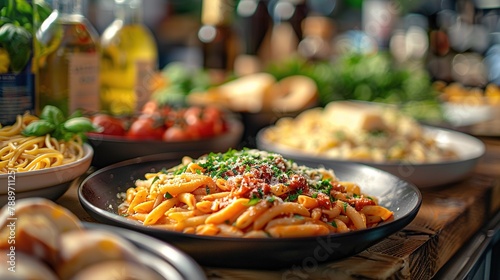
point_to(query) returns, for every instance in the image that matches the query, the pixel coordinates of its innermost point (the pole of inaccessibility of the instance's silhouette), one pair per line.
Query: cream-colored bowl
(50, 183)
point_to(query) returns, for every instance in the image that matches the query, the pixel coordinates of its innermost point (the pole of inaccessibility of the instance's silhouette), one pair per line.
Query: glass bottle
(67, 60)
(129, 59)
(286, 32)
(218, 40)
(253, 22)
(318, 33)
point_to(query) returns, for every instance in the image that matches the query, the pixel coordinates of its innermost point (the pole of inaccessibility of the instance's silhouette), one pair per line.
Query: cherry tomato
(111, 125)
(207, 121)
(149, 108)
(179, 133)
(215, 117)
(146, 128)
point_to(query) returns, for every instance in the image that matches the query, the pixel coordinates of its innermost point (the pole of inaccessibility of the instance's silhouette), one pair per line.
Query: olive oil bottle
(128, 62)
(67, 60)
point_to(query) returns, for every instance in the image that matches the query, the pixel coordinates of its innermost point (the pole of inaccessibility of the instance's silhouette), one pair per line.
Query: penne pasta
(229, 213)
(250, 194)
(287, 208)
(159, 210)
(378, 134)
(307, 201)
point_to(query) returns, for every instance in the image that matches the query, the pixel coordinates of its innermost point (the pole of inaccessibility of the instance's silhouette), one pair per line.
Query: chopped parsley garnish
(253, 201)
(334, 224)
(294, 196)
(167, 195)
(156, 178)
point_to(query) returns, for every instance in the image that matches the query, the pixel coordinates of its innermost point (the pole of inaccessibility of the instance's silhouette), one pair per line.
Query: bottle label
(16, 95)
(144, 75)
(83, 72)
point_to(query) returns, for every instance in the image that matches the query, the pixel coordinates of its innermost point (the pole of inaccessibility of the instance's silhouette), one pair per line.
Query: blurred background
(425, 56)
(454, 40)
(426, 29)
(420, 54)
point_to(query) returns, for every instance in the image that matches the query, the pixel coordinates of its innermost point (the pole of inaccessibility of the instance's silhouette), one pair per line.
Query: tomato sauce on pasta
(250, 193)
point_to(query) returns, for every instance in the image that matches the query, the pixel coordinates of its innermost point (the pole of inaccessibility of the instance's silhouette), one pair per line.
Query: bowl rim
(88, 153)
(481, 150)
(235, 127)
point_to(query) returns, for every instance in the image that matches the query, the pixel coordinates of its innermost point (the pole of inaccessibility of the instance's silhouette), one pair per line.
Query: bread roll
(248, 93)
(116, 270)
(80, 249)
(21, 266)
(34, 225)
(63, 219)
(37, 236)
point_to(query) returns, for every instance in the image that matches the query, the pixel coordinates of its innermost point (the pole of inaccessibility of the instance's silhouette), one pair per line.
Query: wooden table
(449, 217)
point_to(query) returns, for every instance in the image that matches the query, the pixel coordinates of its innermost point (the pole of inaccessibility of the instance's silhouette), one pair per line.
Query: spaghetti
(25, 153)
(250, 193)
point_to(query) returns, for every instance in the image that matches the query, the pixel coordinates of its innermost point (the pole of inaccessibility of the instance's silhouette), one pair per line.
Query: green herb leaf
(156, 178)
(80, 124)
(39, 128)
(253, 201)
(271, 199)
(52, 114)
(167, 195)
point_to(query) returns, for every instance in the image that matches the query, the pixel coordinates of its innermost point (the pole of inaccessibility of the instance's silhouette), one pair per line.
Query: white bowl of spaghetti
(39, 166)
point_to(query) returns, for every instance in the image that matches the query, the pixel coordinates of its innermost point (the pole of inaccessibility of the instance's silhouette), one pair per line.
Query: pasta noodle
(234, 194)
(25, 153)
(385, 135)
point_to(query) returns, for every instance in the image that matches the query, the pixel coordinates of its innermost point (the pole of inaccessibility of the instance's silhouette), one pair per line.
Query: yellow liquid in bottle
(68, 67)
(129, 61)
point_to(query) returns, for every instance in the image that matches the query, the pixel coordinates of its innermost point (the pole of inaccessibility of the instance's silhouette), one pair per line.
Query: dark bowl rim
(235, 127)
(117, 219)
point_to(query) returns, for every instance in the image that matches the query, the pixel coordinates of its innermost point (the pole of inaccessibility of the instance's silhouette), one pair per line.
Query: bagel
(293, 94)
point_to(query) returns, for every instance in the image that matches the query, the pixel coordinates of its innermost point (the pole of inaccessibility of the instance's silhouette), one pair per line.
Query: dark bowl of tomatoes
(193, 130)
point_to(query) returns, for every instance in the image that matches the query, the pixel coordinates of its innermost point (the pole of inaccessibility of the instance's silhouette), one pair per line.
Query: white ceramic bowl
(50, 183)
(469, 150)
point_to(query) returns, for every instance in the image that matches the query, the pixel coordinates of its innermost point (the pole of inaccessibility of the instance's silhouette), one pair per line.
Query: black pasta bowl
(98, 196)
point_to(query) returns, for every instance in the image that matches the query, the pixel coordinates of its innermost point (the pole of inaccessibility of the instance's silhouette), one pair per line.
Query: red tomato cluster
(166, 123)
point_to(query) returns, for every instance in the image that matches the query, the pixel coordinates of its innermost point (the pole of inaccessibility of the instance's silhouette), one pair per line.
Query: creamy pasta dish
(250, 193)
(360, 132)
